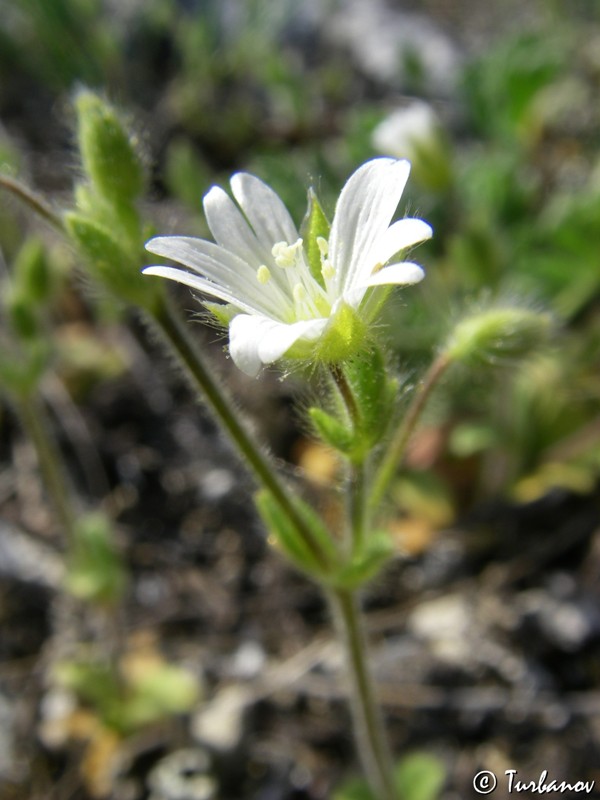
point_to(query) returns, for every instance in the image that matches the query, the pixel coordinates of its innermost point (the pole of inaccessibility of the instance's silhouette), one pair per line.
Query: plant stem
(264, 471)
(34, 421)
(357, 491)
(369, 733)
(396, 451)
(31, 199)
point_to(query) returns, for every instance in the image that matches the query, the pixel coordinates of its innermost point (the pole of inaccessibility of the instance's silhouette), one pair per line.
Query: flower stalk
(397, 448)
(369, 732)
(187, 352)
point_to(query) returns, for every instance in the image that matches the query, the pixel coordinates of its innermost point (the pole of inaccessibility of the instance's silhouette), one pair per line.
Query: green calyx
(344, 337)
(356, 425)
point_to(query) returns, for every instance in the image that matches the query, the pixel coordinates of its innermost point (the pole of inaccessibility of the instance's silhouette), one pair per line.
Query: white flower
(406, 130)
(260, 265)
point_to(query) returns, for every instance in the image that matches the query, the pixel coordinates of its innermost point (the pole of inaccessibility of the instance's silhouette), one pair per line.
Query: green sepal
(107, 150)
(333, 432)
(345, 336)
(222, 312)
(95, 571)
(291, 540)
(377, 551)
(374, 393)
(314, 225)
(111, 263)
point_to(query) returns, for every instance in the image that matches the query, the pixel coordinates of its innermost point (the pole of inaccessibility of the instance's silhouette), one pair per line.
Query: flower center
(300, 296)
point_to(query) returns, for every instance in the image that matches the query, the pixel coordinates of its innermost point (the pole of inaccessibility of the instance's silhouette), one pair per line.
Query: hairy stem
(31, 199)
(263, 470)
(396, 451)
(369, 733)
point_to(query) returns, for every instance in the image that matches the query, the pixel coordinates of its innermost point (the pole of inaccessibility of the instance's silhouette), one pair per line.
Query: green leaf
(95, 571)
(32, 272)
(111, 263)
(159, 691)
(378, 550)
(315, 226)
(420, 776)
(333, 432)
(291, 540)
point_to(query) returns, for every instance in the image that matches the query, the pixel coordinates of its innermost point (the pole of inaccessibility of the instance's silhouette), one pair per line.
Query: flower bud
(108, 154)
(498, 334)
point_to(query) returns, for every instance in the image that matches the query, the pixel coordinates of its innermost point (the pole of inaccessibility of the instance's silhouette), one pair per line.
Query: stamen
(285, 254)
(327, 270)
(263, 274)
(299, 293)
(323, 246)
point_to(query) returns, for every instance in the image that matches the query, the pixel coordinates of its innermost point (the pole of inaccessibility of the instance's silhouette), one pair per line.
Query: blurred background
(164, 651)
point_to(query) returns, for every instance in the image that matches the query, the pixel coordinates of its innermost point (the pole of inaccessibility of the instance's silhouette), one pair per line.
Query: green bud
(111, 263)
(315, 226)
(95, 571)
(107, 150)
(291, 540)
(497, 335)
(32, 272)
(332, 431)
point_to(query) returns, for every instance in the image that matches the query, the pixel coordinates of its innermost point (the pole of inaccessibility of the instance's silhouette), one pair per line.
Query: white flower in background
(416, 133)
(279, 303)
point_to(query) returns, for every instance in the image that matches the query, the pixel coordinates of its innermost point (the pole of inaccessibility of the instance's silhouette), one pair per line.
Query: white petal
(285, 336)
(201, 285)
(245, 335)
(256, 340)
(231, 229)
(220, 267)
(400, 236)
(403, 274)
(363, 213)
(264, 209)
